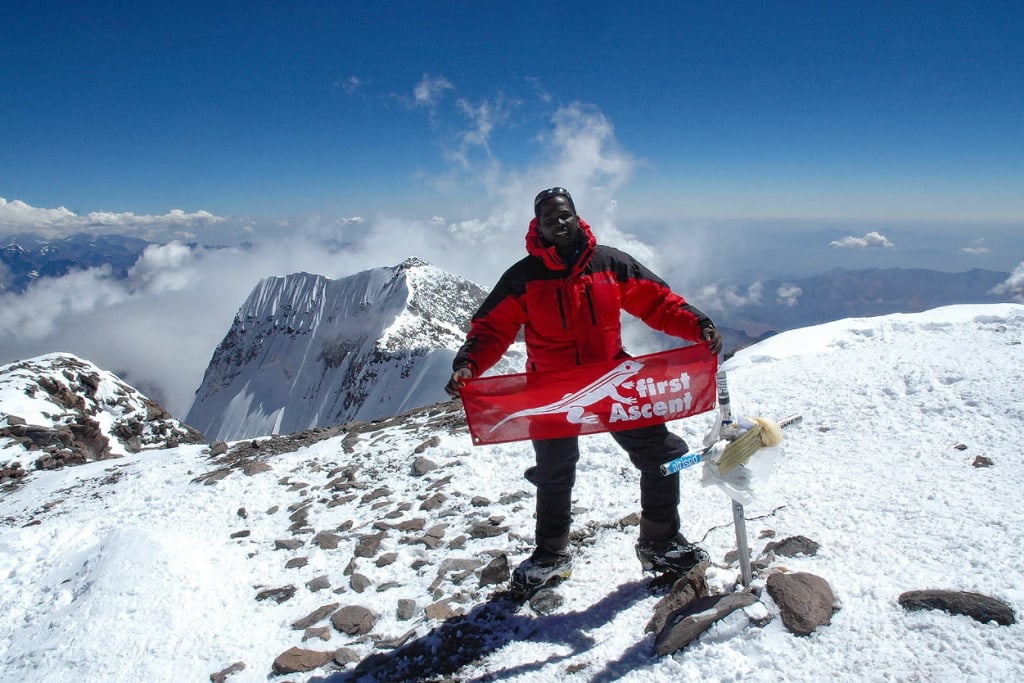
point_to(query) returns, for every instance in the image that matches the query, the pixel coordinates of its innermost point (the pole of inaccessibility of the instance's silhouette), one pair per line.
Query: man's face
(558, 223)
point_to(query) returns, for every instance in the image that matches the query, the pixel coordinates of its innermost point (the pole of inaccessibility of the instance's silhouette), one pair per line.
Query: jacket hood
(535, 247)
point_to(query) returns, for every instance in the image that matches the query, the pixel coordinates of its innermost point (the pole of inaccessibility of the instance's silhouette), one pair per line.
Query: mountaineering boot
(676, 555)
(541, 568)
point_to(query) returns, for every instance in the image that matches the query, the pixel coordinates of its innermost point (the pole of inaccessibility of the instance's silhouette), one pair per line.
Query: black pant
(555, 473)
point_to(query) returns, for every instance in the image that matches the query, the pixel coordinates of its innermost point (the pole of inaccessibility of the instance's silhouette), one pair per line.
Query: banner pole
(738, 519)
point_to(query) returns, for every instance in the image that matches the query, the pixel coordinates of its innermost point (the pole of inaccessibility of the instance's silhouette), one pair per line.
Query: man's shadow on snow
(490, 626)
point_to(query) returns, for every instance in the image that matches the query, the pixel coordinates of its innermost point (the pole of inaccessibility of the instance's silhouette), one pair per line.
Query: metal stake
(741, 542)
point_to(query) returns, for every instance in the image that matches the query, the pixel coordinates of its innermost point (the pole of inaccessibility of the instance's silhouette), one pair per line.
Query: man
(568, 294)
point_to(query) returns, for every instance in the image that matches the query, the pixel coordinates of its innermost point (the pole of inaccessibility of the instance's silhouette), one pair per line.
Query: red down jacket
(571, 315)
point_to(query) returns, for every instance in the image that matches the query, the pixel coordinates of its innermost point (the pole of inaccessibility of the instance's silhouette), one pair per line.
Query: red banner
(587, 399)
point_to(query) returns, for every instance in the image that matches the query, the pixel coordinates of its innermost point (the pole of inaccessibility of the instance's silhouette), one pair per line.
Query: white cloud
(429, 91)
(350, 84)
(788, 294)
(716, 297)
(1013, 285)
(870, 240)
(538, 88)
(17, 216)
(483, 119)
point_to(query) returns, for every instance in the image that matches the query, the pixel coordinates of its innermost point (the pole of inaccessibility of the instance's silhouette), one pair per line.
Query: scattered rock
(297, 659)
(222, 675)
(432, 442)
(321, 632)
(793, 546)
(278, 595)
(393, 643)
(318, 584)
(319, 614)
(421, 466)
(288, 544)
(510, 498)
(496, 573)
(982, 461)
(386, 559)
(345, 655)
(690, 622)
(632, 519)
(367, 546)
(432, 537)
(406, 609)
(974, 605)
(805, 601)
(354, 620)
(416, 524)
(433, 502)
(254, 467)
(686, 589)
(327, 540)
(487, 529)
(376, 493)
(439, 610)
(440, 483)
(358, 582)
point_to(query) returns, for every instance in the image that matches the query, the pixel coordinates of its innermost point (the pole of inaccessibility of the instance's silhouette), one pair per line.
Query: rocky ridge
(61, 410)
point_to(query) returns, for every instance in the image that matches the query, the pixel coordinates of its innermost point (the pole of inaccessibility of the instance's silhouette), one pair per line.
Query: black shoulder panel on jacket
(624, 266)
(513, 282)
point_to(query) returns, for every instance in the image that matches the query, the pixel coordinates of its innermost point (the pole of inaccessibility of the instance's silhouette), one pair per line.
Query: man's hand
(458, 380)
(713, 339)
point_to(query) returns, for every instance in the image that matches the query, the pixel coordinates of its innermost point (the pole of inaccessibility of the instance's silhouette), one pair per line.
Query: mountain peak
(309, 351)
(412, 262)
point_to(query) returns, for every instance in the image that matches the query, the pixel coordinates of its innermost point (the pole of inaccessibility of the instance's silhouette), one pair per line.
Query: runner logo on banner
(587, 399)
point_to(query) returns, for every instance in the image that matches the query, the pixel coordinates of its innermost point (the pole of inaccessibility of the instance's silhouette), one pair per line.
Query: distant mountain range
(771, 306)
(28, 258)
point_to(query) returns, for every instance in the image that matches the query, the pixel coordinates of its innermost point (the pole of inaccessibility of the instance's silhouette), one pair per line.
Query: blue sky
(270, 110)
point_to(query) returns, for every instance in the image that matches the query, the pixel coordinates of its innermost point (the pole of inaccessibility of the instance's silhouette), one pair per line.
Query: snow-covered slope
(59, 409)
(178, 565)
(307, 351)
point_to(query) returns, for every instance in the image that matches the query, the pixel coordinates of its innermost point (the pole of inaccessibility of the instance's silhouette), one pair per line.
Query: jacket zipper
(561, 311)
(590, 304)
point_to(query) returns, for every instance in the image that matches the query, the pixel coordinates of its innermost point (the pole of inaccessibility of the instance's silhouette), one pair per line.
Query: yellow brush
(764, 432)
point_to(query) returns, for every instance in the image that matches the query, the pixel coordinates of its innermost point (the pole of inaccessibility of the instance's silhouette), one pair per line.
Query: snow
(126, 570)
